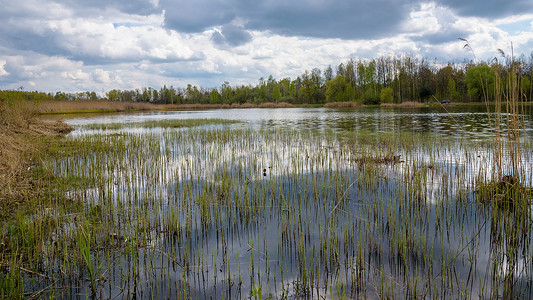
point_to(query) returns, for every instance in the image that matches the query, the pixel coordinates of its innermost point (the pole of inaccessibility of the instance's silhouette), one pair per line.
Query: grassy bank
(23, 138)
(103, 106)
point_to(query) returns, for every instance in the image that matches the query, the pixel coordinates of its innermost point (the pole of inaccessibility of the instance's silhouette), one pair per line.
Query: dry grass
(410, 104)
(244, 105)
(403, 104)
(62, 107)
(22, 137)
(189, 106)
(51, 107)
(388, 105)
(342, 104)
(275, 105)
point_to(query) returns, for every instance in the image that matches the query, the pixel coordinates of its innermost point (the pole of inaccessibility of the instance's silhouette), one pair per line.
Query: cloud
(434, 25)
(231, 35)
(488, 8)
(98, 41)
(137, 7)
(101, 76)
(3, 71)
(318, 18)
(199, 15)
(100, 45)
(349, 20)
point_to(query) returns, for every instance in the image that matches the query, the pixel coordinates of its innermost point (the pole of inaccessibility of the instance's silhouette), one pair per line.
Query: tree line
(387, 79)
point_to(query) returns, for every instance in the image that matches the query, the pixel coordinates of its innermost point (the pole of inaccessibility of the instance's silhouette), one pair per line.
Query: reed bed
(225, 212)
(80, 106)
(107, 106)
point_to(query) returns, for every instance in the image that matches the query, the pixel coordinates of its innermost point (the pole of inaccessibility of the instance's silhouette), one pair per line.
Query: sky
(99, 45)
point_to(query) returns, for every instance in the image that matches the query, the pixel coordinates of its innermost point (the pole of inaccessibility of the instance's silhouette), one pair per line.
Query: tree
(93, 96)
(425, 92)
(370, 97)
(386, 95)
(284, 86)
(292, 89)
(214, 97)
(113, 95)
(451, 92)
(525, 86)
(193, 94)
(480, 82)
(261, 89)
(243, 94)
(341, 69)
(328, 73)
(442, 79)
(338, 90)
(276, 94)
(227, 93)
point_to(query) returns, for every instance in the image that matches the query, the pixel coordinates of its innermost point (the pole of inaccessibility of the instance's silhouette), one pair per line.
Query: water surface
(296, 203)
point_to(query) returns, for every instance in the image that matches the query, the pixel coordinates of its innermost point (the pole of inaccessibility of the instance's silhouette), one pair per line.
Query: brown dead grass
(342, 104)
(275, 105)
(388, 105)
(411, 104)
(403, 104)
(22, 136)
(96, 106)
(51, 107)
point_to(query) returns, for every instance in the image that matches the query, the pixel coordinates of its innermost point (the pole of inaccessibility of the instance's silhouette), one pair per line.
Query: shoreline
(105, 106)
(24, 139)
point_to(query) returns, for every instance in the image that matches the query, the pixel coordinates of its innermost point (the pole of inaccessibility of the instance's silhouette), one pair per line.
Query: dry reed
(22, 137)
(342, 104)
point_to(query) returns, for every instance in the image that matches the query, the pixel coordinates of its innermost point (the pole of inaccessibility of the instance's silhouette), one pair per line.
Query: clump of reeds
(505, 192)
(388, 159)
(342, 104)
(85, 106)
(275, 105)
(506, 185)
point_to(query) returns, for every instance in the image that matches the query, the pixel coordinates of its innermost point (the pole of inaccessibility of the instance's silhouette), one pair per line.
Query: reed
(207, 209)
(506, 185)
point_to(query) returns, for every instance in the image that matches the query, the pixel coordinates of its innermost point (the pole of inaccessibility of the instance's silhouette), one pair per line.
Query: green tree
(113, 95)
(276, 94)
(328, 73)
(261, 90)
(525, 86)
(193, 94)
(451, 92)
(338, 90)
(370, 97)
(214, 97)
(425, 92)
(442, 79)
(292, 89)
(93, 96)
(227, 93)
(243, 94)
(386, 95)
(480, 82)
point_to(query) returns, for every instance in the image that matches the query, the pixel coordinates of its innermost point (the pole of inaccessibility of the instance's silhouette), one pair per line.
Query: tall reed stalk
(507, 153)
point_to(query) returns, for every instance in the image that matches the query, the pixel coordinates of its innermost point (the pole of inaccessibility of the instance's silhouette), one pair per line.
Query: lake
(452, 121)
(290, 203)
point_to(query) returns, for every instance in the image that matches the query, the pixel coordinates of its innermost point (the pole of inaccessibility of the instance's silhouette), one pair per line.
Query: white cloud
(77, 45)
(3, 71)
(102, 76)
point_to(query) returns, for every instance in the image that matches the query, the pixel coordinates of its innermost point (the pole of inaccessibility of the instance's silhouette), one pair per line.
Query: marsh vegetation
(225, 209)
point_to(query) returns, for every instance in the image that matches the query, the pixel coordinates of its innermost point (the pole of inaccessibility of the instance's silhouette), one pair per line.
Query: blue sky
(99, 45)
